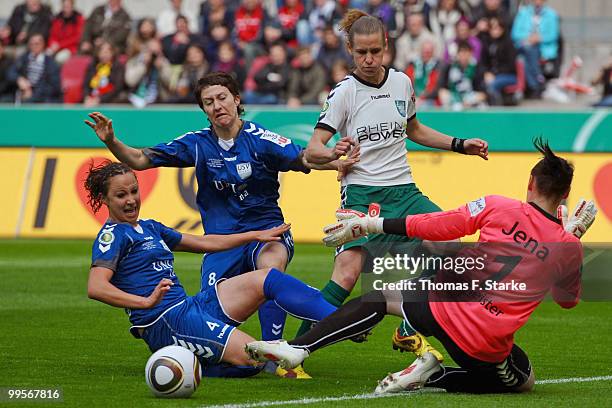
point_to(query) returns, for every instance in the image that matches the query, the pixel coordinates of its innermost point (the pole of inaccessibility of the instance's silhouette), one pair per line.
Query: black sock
(454, 379)
(355, 317)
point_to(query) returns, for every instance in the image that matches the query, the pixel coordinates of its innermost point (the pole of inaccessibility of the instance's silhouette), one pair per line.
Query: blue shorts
(198, 323)
(236, 261)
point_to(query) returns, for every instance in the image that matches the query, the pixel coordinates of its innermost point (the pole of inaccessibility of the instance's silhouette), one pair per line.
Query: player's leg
(289, 293)
(513, 374)
(271, 318)
(410, 200)
(352, 319)
(347, 267)
(221, 265)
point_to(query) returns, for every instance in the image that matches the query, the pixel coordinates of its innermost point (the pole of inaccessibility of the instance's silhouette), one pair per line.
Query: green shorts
(395, 201)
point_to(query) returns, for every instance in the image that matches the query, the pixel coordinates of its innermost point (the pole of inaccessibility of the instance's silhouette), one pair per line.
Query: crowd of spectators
(458, 53)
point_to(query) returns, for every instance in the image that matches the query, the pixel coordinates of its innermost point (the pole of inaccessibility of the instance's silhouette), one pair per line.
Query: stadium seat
(258, 63)
(72, 76)
(517, 90)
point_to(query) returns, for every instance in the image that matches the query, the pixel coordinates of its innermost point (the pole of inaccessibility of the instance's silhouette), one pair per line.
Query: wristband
(457, 145)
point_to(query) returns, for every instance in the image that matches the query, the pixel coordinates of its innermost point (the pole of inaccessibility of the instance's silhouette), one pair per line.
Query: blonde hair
(358, 22)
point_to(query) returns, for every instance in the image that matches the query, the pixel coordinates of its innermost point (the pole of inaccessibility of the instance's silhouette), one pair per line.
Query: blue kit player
(133, 267)
(236, 165)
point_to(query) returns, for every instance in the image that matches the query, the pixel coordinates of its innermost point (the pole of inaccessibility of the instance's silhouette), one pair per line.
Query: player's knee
(346, 270)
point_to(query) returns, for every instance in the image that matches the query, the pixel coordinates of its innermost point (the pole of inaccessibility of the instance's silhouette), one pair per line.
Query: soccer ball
(173, 372)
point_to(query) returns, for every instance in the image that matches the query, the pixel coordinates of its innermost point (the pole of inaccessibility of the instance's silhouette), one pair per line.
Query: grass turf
(52, 335)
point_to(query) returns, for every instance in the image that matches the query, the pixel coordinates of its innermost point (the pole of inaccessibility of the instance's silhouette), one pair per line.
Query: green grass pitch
(52, 335)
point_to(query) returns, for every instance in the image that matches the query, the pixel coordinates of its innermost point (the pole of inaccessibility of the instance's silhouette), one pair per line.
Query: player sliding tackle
(479, 341)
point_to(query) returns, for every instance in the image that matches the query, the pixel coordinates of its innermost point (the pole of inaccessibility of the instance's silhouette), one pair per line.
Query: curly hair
(98, 178)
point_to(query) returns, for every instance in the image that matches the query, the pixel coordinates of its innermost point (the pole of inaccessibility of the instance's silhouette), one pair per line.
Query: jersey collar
(371, 84)
(545, 213)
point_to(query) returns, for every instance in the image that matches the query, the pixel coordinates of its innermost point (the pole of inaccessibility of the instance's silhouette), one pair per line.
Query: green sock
(334, 294)
(406, 329)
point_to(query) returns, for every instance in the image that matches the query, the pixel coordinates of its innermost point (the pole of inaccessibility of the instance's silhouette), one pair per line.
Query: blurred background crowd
(458, 53)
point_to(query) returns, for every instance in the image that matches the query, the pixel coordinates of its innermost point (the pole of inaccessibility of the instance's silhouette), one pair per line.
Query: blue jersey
(140, 257)
(237, 187)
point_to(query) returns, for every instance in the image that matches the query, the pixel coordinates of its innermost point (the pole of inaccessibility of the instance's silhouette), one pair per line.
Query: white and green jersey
(376, 118)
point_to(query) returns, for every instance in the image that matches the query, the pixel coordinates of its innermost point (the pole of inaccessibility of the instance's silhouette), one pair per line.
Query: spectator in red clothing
(249, 22)
(27, 19)
(424, 73)
(288, 15)
(66, 31)
(104, 80)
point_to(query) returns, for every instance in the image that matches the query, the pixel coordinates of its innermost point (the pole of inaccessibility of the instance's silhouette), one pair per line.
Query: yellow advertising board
(45, 195)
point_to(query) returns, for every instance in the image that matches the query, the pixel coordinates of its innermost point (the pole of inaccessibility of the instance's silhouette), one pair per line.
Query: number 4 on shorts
(212, 325)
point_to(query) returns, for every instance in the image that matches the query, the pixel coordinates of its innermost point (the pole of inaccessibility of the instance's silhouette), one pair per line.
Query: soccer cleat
(411, 378)
(416, 343)
(297, 373)
(278, 351)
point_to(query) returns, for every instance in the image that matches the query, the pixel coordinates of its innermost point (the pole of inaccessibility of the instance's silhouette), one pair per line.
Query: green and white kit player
(374, 108)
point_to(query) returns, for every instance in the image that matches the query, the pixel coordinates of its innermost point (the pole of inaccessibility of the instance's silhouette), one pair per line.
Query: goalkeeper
(479, 339)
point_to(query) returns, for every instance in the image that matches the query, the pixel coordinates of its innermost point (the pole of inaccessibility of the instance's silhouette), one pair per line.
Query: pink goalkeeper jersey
(546, 257)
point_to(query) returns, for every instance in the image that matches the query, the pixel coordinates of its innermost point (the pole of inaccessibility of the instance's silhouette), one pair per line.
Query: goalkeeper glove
(352, 225)
(581, 218)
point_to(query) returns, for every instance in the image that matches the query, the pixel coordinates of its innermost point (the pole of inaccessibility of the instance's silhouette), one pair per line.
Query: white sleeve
(336, 107)
(410, 101)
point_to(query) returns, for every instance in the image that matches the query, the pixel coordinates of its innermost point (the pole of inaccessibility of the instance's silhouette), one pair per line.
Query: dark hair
(553, 174)
(358, 22)
(464, 45)
(217, 78)
(98, 178)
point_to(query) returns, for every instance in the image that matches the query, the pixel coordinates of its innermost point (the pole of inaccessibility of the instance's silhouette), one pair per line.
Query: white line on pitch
(306, 401)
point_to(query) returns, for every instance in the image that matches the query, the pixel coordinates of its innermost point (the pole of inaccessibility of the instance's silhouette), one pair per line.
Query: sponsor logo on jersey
(401, 107)
(275, 138)
(148, 245)
(380, 132)
(214, 163)
(244, 170)
(162, 265)
(325, 107)
(477, 206)
(230, 158)
(382, 96)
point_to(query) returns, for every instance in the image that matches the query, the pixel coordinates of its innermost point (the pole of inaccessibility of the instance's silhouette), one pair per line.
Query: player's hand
(352, 225)
(103, 127)
(342, 147)
(477, 147)
(272, 234)
(581, 219)
(344, 166)
(160, 290)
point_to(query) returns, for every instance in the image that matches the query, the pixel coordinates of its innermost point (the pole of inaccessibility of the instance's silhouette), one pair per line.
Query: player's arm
(426, 136)
(216, 243)
(103, 126)
(100, 288)
(567, 290)
(438, 226)
(340, 165)
(318, 153)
